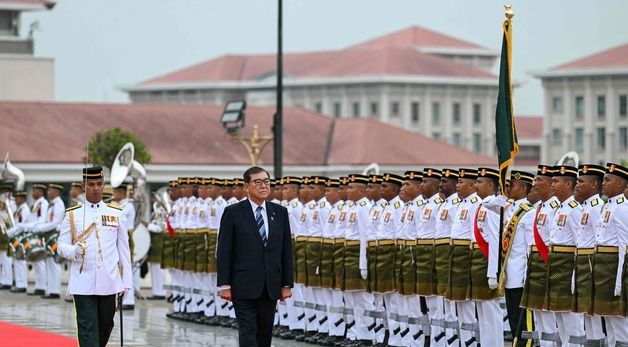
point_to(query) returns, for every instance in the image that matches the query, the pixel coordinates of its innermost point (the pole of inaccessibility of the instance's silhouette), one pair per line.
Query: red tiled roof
(416, 36)
(610, 58)
(345, 63)
(191, 134)
(529, 127)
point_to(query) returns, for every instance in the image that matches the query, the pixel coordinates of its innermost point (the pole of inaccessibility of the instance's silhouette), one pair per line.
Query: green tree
(104, 146)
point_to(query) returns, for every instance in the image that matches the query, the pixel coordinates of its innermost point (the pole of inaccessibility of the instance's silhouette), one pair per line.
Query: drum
(141, 239)
(15, 243)
(34, 248)
(51, 248)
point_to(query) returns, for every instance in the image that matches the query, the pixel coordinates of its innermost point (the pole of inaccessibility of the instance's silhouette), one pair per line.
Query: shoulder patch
(420, 203)
(219, 202)
(312, 206)
(620, 200)
(397, 204)
(595, 202)
(384, 204)
(72, 208)
(456, 201)
(438, 200)
(525, 207)
(322, 204)
(553, 204)
(351, 203)
(573, 204)
(115, 207)
(363, 203)
(475, 199)
(295, 204)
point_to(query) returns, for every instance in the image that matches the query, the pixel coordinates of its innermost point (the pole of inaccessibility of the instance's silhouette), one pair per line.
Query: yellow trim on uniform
(314, 239)
(425, 242)
(563, 249)
(534, 249)
(301, 238)
(411, 242)
(442, 241)
(328, 241)
(474, 246)
(585, 251)
(386, 242)
(607, 249)
(339, 240)
(352, 242)
(460, 242)
(372, 243)
(213, 231)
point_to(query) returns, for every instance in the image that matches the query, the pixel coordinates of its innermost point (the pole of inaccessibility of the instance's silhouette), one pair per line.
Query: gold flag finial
(508, 11)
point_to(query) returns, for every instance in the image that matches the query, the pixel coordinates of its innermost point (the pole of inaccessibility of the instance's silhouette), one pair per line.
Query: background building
(586, 108)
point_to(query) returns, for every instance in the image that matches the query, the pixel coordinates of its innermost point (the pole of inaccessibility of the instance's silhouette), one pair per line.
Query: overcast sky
(100, 45)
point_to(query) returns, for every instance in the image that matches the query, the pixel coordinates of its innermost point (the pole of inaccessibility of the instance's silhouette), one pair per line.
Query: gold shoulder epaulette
(526, 207)
(511, 200)
(438, 200)
(573, 204)
(295, 204)
(312, 206)
(420, 203)
(72, 208)
(620, 200)
(362, 203)
(397, 204)
(475, 199)
(115, 207)
(219, 202)
(595, 202)
(553, 204)
(322, 204)
(456, 201)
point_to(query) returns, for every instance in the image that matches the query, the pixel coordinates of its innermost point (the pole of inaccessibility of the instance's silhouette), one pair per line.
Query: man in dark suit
(254, 259)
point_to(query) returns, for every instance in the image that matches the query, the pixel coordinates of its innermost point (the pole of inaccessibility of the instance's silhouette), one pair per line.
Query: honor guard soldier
(588, 191)
(20, 269)
(563, 234)
(410, 316)
(94, 239)
(484, 262)
(460, 253)
(533, 296)
(157, 227)
(218, 207)
(426, 228)
(77, 196)
(517, 236)
(168, 251)
(188, 244)
(611, 235)
(176, 275)
(120, 199)
(50, 232)
(442, 237)
(37, 216)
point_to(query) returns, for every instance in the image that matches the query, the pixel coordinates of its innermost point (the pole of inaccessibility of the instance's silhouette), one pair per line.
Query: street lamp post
(233, 119)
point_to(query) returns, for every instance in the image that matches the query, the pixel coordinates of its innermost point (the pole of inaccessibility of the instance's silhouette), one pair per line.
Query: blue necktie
(260, 224)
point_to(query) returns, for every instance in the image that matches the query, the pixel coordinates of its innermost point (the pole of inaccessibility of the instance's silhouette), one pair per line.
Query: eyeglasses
(260, 183)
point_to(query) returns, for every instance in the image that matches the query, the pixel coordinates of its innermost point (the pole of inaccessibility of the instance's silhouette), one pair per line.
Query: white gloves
(153, 227)
(364, 274)
(573, 287)
(492, 282)
(617, 291)
(79, 250)
(496, 203)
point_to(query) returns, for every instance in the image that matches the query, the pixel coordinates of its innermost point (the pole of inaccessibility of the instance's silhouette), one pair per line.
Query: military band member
(534, 294)
(484, 259)
(49, 230)
(120, 199)
(94, 239)
(424, 254)
(460, 253)
(611, 238)
(20, 269)
(37, 216)
(587, 193)
(6, 261)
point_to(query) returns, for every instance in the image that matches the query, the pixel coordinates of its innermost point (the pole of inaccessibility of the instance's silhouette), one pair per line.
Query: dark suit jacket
(243, 261)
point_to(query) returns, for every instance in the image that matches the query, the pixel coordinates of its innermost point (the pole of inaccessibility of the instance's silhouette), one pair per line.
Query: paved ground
(147, 325)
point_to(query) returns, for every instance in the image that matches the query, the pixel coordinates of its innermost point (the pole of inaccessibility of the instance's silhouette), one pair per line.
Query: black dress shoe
(38, 292)
(128, 307)
(307, 334)
(5, 287)
(156, 297)
(18, 290)
(288, 335)
(51, 296)
(213, 321)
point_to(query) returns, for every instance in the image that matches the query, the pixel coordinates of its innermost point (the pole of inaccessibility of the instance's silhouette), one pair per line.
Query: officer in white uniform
(121, 200)
(37, 215)
(20, 270)
(94, 239)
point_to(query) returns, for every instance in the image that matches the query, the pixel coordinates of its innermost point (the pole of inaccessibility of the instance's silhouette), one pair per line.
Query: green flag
(506, 135)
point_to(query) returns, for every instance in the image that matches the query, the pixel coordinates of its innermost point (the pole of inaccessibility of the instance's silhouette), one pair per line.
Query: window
(623, 138)
(557, 104)
(415, 112)
(436, 136)
(356, 109)
(394, 109)
(529, 152)
(601, 138)
(579, 107)
(374, 110)
(556, 136)
(601, 106)
(435, 113)
(579, 139)
(623, 108)
(456, 113)
(455, 139)
(318, 107)
(337, 110)
(6, 23)
(477, 113)
(477, 142)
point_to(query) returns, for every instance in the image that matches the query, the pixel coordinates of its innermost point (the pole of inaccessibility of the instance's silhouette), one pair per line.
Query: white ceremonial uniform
(335, 308)
(518, 258)
(38, 215)
(361, 301)
(462, 229)
(232, 201)
(157, 274)
(204, 298)
(296, 315)
(20, 269)
(218, 207)
(176, 275)
(375, 216)
(106, 264)
(128, 211)
(612, 230)
(306, 229)
(189, 223)
(322, 296)
(591, 210)
(54, 216)
(564, 232)
(426, 229)
(490, 314)
(6, 262)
